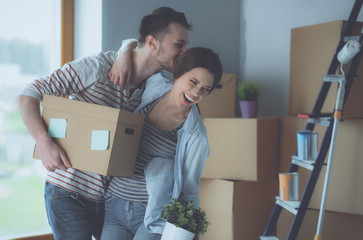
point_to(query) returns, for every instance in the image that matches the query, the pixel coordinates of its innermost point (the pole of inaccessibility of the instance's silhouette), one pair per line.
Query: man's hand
(121, 73)
(53, 157)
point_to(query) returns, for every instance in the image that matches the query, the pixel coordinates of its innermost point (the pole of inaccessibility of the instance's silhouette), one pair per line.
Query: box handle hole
(129, 131)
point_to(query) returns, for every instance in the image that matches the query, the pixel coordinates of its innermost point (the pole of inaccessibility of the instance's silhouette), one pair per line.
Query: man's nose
(183, 50)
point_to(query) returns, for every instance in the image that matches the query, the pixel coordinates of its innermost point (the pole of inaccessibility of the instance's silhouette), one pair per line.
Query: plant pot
(249, 109)
(171, 232)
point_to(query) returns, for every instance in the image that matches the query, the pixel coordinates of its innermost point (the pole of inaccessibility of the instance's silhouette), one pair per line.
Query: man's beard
(164, 65)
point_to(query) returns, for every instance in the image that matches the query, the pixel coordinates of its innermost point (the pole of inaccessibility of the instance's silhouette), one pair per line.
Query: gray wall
(265, 42)
(252, 37)
(215, 24)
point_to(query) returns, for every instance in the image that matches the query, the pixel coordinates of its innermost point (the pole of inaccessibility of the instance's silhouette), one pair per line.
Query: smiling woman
(30, 45)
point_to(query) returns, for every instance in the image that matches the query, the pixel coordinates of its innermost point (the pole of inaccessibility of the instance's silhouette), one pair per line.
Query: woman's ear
(152, 42)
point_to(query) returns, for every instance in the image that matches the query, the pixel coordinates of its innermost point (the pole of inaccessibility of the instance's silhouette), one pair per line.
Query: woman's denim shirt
(166, 179)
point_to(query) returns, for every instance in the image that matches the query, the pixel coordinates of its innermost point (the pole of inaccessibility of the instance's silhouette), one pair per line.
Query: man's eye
(192, 81)
(179, 45)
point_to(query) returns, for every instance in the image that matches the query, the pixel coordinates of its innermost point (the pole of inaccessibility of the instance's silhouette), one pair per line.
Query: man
(74, 198)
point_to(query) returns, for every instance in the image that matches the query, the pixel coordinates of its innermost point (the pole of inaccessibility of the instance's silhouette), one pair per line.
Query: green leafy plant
(182, 214)
(248, 91)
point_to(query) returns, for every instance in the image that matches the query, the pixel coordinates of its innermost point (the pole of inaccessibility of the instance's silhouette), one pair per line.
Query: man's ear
(152, 42)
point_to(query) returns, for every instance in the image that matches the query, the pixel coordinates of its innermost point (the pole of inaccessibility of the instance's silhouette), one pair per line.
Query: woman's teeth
(188, 98)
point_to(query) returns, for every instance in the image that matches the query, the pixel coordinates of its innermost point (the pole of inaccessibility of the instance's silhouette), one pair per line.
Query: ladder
(299, 208)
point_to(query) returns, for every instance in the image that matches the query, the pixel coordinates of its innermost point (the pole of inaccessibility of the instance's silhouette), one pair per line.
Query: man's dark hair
(158, 21)
(199, 57)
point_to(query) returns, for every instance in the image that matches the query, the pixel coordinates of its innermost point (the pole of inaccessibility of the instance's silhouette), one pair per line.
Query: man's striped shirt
(153, 143)
(85, 79)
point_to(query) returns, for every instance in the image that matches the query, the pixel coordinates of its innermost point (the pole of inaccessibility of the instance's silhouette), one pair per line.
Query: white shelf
(308, 164)
(268, 238)
(291, 206)
(324, 121)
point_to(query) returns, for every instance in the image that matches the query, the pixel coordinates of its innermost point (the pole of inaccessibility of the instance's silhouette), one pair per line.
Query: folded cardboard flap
(81, 108)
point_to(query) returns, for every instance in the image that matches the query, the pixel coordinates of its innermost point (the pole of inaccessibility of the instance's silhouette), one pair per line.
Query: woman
(172, 151)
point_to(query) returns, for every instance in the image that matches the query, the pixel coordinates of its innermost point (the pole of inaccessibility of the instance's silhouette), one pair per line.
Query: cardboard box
(336, 226)
(95, 138)
(242, 148)
(236, 209)
(312, 49)
(220, 103)
(344, 193)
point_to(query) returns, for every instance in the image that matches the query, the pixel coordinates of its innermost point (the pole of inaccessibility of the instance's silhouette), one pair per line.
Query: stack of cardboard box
(312, 48)
(239, 179)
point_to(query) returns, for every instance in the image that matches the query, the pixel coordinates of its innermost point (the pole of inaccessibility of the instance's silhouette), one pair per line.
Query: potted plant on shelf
(248, 93)
(183, 221)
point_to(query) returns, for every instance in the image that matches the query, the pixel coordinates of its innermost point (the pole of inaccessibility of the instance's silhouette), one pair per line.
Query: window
(30, 46)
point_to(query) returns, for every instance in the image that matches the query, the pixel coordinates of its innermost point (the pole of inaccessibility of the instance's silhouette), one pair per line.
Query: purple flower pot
(249, 109)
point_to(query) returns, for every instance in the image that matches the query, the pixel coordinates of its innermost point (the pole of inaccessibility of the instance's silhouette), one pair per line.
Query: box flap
(81, 108)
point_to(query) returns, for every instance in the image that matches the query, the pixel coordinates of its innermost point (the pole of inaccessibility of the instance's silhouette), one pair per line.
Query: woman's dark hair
(157, 23)
(199, 57)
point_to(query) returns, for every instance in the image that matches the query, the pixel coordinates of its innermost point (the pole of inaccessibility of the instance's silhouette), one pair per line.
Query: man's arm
(53, 157)
(121, 71)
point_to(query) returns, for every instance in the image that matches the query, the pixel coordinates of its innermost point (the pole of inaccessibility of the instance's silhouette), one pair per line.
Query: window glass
(29, 48)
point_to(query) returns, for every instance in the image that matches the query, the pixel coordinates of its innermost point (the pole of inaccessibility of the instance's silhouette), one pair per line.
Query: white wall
(265, 42)
(87, 27)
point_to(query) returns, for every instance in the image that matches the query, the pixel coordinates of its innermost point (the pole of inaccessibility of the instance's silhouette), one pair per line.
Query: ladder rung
(333, 78)
(347, 38)
(291, 206)
(314, 115)
(308, 164)
(268, 238)
(325, 121)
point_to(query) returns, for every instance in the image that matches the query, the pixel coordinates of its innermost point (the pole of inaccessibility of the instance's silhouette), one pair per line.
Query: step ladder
(299, 208)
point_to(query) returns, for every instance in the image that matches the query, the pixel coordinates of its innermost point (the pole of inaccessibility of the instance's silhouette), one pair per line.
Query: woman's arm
(121, 71)
(195, 158)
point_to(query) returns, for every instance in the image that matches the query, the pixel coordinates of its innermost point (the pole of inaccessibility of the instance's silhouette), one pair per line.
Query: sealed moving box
(236, 209)
(336, 226)
(312, 49)
(345, 193)
(221, 102)
(96, 138)
(242, 148)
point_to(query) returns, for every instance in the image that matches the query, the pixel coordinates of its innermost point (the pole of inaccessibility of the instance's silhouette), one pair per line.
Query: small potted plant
(248, 93)
(183, 220)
